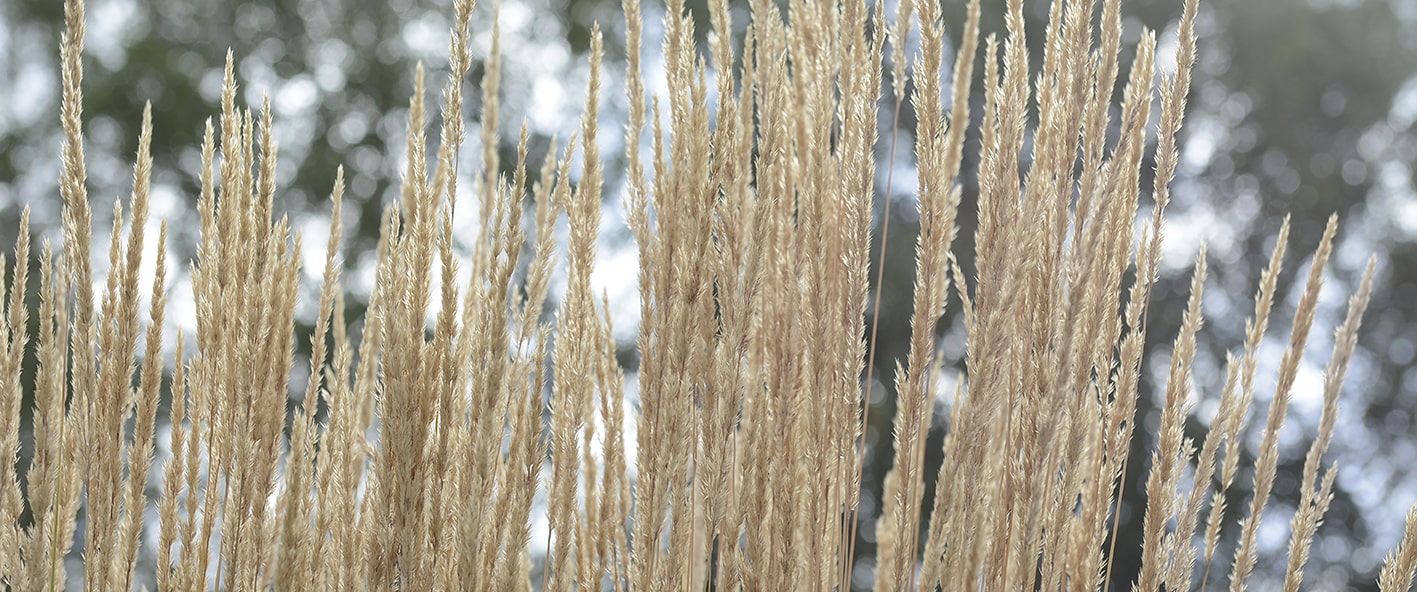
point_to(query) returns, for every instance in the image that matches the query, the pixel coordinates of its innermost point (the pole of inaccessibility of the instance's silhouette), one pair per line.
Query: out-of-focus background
(1298, 107)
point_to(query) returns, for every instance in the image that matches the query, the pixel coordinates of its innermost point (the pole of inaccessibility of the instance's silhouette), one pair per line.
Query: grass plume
(459, 402)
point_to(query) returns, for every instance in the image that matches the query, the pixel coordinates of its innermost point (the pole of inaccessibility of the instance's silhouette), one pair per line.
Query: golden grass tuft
(753, 221)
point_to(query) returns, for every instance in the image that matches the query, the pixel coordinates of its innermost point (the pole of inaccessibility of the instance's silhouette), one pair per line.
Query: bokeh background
(1298, 107)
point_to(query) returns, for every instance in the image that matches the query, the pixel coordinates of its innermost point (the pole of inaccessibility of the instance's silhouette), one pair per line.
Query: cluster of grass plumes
(753, 224)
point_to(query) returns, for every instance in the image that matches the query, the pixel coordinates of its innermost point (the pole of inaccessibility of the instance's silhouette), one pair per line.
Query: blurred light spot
(330, 78)
(1354, 172)
(1397, 422)
(295, 96)
(1334, 549)
(1322, 164)
(1333, 102)
(426, 38)
(1404, 105)
(1401, 351)
(111, 25)
(37, 99)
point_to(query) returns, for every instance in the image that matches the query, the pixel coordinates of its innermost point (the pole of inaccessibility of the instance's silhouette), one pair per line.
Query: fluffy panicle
(414, 455)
